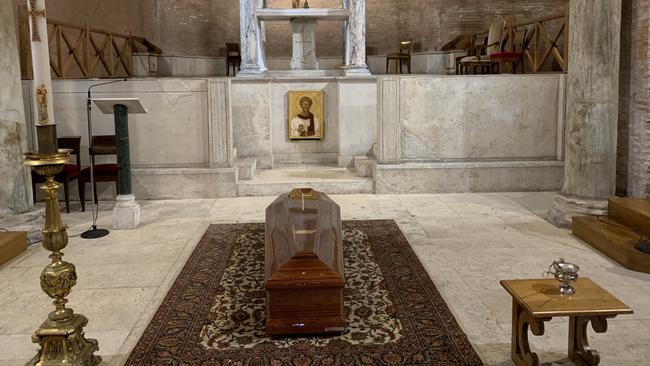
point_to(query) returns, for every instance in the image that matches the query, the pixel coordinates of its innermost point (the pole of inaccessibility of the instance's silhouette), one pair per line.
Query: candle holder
(61, 336)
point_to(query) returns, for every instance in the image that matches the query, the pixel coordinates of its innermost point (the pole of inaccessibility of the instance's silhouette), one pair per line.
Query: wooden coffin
(304, 264)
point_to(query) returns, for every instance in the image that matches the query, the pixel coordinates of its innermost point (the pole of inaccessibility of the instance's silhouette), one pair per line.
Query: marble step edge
(631, 212)
(179, 170)
(246, 168)
(271, 189)
(365, 165)
(472, 164)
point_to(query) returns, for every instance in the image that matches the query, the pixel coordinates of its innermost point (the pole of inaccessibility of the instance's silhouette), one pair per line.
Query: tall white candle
(42, 88)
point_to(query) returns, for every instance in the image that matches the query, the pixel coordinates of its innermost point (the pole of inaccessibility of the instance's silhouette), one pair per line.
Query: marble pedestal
(304, 44)
(126, 214)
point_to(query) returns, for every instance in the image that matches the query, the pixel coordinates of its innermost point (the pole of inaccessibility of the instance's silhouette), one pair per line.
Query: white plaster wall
(174, 132)
(480, 117)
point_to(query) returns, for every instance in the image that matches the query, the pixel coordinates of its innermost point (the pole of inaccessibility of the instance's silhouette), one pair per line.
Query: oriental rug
(214, 312)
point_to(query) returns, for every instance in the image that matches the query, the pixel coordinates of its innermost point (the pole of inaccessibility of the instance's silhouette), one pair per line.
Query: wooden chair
(233, 57)
(493, 45)
(404, 56)
(69, 173)
(514, 57)
(100, 145)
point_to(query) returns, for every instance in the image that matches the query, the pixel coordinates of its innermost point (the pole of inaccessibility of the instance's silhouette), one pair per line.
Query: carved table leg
(579, 350)
(521, 321)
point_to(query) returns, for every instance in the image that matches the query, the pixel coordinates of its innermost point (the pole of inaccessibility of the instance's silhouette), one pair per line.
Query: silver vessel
(566, 273)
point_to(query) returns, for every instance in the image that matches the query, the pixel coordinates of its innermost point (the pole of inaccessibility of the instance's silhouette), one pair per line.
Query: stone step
(365, 165)
(631, 212)
(246, 168)
(330, 180)
(12, 243)
(613, 240)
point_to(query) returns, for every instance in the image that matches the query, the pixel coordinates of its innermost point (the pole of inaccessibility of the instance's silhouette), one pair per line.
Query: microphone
(94, 232)
(100, 84)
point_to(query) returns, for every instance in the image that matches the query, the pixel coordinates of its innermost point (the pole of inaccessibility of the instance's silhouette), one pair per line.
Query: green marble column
(123, 156)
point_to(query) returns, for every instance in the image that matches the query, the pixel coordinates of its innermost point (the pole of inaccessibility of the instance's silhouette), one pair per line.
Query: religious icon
(41, 103)
(306, 115)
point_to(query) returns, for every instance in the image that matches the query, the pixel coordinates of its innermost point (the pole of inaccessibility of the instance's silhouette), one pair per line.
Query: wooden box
(11, 244)
(304, 264)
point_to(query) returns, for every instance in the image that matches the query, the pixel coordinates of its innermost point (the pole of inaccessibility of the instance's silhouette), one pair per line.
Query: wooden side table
(539, 300)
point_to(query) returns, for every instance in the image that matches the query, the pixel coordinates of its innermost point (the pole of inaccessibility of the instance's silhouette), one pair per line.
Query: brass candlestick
(61, 336)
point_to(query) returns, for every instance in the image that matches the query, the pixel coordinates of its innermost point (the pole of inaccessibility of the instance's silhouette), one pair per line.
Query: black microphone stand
(94, 232)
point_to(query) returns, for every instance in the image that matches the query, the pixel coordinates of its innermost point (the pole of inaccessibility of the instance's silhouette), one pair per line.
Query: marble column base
(565, 207)
(126, 214)
(356, 71)
(248, 71)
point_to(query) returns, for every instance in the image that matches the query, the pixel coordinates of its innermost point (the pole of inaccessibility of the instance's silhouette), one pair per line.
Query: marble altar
(303, 25)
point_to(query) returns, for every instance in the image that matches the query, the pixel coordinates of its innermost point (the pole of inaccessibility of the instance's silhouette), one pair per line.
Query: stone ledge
(456, 177)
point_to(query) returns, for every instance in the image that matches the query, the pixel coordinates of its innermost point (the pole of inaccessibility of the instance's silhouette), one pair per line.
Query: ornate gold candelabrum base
(61, 336)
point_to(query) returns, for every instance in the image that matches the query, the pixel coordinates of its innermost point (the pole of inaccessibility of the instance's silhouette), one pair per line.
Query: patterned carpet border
(430, 334)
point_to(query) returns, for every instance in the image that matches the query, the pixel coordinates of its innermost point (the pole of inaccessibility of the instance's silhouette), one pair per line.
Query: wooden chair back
(495, 36)
(405, 47)
(232, 49)
(103, 145)
(73, 143)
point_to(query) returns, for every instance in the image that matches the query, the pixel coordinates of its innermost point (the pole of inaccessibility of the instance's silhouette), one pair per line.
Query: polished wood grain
(613, 240)
(304, 264)
(12, 243)
(541, 297)
(536, 301)
(631, 212)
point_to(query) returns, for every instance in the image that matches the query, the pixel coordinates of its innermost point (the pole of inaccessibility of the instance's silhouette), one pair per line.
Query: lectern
(126, 214)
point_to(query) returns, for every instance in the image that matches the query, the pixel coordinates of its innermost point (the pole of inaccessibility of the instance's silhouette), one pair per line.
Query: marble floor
(467, 242)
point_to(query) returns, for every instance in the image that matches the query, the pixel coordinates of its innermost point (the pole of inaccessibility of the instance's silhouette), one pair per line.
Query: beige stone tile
(464, 227)
(533, 201)
(112, 309)
(25, 312)
(466, 242)
(480, 204)
(17, 349)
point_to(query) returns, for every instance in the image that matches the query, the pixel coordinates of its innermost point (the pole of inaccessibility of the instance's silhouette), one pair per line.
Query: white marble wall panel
(151, 184)
(479, 117)
(357, 118)
(251, 120)
(174, 132)
(389, 125)
(500, 176)
(304, 151)
(220, 127)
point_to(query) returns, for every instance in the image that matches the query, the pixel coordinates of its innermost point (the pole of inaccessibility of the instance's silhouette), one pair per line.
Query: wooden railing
(82, 51)
(543, 41)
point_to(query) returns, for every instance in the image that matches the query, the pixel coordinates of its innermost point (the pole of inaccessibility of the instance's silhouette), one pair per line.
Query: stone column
(15, 191)
(592, 110)
(355, 38)
(252, 51)
(126, 213)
